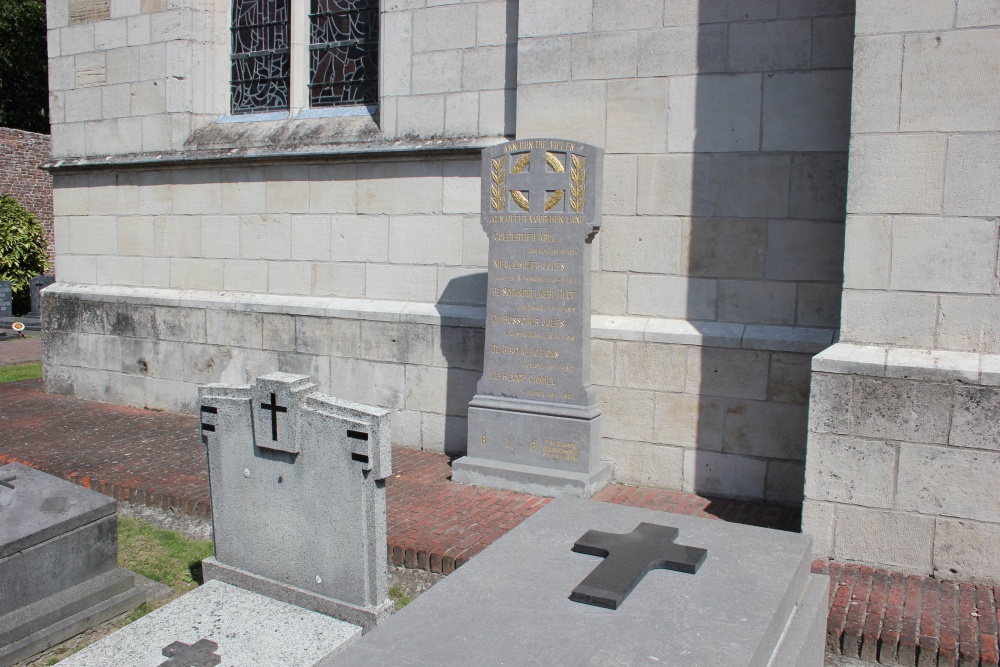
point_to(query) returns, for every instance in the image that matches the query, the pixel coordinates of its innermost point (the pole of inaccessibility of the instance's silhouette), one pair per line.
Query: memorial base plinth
(532, 452)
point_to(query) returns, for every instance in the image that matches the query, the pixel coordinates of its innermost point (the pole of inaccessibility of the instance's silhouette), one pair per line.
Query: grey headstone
(298, 495)
(534, 424)
(59, 570)
(6, 299)
(753, 601)
(36, 285)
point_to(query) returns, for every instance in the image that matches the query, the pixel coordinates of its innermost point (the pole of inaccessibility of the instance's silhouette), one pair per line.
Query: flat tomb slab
(510, 604)
(245, 629)
(36, 506)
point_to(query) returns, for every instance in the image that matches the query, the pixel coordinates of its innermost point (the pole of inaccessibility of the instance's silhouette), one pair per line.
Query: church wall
(902, 453)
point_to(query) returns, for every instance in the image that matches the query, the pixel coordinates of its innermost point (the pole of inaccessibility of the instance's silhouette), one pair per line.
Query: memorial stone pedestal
(534, 425)
(59, 573)
(733, 596)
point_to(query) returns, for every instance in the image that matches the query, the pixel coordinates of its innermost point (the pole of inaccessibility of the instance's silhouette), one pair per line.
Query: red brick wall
(20, 154)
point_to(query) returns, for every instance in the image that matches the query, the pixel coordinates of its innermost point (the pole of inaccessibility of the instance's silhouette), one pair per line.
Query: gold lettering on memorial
(577, 182)
(497, 191)
(555, 449)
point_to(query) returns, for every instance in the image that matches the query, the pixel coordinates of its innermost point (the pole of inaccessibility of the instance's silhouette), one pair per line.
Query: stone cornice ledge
(909, 363)
(603, 327)
(327, 153)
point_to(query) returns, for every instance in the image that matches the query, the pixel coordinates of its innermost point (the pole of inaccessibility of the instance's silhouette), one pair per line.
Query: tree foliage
(22, 247)
(24, 86)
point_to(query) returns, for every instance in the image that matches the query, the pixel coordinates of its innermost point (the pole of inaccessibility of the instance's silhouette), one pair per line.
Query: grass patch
(161, 555)
(16, 372)
(399, 597)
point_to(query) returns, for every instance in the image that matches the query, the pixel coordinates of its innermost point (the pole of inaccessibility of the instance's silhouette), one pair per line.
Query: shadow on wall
(765, 239)
(462, 347)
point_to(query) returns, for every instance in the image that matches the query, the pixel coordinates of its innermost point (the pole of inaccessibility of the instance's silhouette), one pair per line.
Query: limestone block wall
(902, 463)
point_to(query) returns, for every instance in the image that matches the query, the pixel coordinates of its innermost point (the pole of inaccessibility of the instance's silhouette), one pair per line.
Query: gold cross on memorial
(537, 180)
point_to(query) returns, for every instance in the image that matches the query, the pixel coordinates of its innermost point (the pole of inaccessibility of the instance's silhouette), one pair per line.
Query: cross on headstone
(627, 559)
(199, 654)
(7, 481)
(275, 409)
(536, 180)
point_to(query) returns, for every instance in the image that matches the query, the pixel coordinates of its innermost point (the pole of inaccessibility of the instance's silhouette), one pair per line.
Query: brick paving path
(157, 459)
(15, 350)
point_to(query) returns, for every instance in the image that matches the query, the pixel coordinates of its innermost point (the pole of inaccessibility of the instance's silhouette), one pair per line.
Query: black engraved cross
(7, 481)
(209, 428)
(627, 559)
(199, 654)
(275, 409)
(538, 181)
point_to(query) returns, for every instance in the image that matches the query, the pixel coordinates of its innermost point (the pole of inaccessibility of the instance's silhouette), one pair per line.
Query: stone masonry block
(332, 188)
(640, 365)
(461, 187)
(609, 293)
(833, 42)
(724, 372)
(230, 328)
(943, 255)
(541, 18)
(177, 236)
(637, 116)
(397, 342)
(714, 113)
(93, 236)
(672, 296)
(969, 323)
(807, 111)
(850, 470)
(726, 475)
(347, 280)
(896, 174)
(602, 362)
(396, 53)
(497, 23)
(458, 347)
(368, 382)
(688, 49)
(867, 252)
(818, 521)
(944, 481)
(287, 189)
(885, 16)
(950, 82)
(180, 324)
(725, 248)
(461, 286)
(442, 391)
(604, 55)
(399, 282)
(789, 378)
(488, 68)
(327, 336)
(196, 191)
(627, 413)
(830, 403)
(627, 14)
(200, 274)
(644, 463)
(975, 13)
(908, 410)
(784, 483)
(220, 236)
(757, 301)
(244, 276)
(713, 11)
(819, 186)
(973, 169)
(265, 237)
(749, 185)
(425, 240)
(543, 60)
(897, 540)
(689, 421)
(669, 184)
(975, 421)
(311, 237)
(359, 238)
(771, 430)
(619, 185)
(805, 250)
(278, 332)
(497, 112)
(419, 115)
(648, 245)
(448, 27)
(966, 550)
(895, 318)
(769, 45)
(289, 278)
(399, 188)
(119, 271)
(576, 109)
(437, 72)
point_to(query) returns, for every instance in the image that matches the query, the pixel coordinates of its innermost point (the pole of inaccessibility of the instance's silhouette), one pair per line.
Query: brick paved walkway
(157, 459)
(14, 350)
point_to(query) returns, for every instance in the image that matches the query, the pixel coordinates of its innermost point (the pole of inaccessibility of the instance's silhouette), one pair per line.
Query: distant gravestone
(6, 299)
(298, 495)
(36, 285)
(534, 424)
(59, 571)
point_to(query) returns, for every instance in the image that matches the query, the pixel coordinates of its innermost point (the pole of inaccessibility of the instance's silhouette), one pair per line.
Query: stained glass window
(343, 53)
(260, 66)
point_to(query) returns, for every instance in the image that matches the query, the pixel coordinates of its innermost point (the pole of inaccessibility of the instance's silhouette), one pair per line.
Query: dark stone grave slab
(36, 285)
(534, 424)
(6, 299)
(753, 601)
(59, 571)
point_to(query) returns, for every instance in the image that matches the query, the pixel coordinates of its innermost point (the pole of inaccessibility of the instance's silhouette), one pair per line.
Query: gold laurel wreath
(555, 163)
(554, 199)
(521, 164)
(497, 196)
(520, 199)
(577, 186)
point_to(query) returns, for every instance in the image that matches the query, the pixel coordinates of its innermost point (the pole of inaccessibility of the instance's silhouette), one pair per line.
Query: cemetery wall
(21, 155)
(716, 274)
(902, 456)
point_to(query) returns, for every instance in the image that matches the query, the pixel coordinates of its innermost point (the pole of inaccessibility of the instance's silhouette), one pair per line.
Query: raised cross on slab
(7, 481)
(199, 654)
(540, 183)
(275, 409)
(627, 559)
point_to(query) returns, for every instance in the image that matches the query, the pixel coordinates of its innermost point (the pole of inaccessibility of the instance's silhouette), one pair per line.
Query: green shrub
(22, 250)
